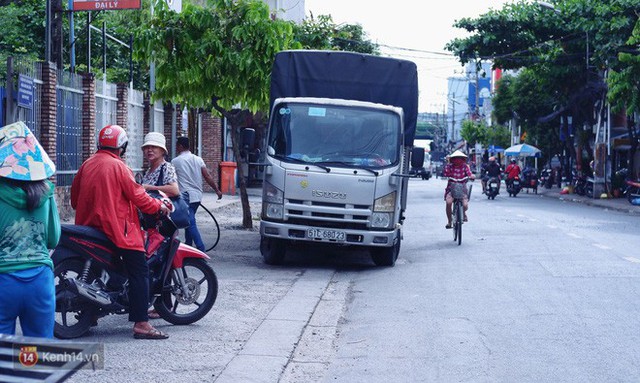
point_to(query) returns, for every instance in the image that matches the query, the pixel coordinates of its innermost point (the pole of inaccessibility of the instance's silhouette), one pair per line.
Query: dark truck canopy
(349, 76)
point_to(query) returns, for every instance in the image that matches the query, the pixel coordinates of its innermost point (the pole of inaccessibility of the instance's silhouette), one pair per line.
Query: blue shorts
(29, 295)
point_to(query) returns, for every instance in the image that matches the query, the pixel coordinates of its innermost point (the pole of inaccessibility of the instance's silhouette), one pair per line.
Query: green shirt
(26, 236)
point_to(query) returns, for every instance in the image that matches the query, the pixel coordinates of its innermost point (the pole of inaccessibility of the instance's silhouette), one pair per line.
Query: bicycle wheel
(208, 226)
(458, 227)
(454, 220)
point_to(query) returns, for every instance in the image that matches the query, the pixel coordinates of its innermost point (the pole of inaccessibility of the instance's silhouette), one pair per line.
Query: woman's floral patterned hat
(22, 156)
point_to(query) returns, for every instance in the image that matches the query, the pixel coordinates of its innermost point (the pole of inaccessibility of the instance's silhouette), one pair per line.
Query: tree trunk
(237, 120)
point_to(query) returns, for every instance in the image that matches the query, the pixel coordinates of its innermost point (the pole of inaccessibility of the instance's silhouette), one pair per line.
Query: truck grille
(327, 214)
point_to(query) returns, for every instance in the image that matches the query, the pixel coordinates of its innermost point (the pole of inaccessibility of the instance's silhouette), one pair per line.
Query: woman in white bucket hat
(154, 149)
(29, 228)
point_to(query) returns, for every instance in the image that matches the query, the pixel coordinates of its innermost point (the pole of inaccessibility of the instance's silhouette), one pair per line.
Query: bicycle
(457, 211)
(207, 226)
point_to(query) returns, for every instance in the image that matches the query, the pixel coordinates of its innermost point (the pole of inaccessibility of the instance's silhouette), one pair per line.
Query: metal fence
(106, 104)
(30, 116)
(68, 126)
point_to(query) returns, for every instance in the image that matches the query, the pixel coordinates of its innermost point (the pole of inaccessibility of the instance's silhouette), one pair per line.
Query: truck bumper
(352, 237)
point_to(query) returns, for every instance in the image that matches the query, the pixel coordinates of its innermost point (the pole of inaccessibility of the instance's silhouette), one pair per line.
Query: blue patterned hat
(22, 156)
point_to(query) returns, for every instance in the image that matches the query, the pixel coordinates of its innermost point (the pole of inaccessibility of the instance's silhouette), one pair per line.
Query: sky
(412, 30)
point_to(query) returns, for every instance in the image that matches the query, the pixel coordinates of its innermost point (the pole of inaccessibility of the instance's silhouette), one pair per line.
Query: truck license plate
(326, 234)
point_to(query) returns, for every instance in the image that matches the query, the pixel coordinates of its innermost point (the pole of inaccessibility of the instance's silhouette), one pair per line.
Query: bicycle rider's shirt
(453, 171)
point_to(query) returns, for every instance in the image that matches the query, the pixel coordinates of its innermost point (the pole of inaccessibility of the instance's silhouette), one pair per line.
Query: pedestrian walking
(29, 228)
(191, 171)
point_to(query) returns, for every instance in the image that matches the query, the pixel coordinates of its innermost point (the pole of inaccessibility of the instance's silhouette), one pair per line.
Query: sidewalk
(618, 204)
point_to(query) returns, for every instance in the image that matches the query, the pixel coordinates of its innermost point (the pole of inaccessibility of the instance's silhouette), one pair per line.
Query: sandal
(465, 219)
(447, 226)
(153, 333)
(153, 314)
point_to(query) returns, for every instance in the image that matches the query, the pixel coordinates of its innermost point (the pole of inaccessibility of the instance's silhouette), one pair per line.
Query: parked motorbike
(631, 188)
(530, 180)
(90, 281)
(583, 185)
(633, 192)
(546, 178)
(513, 186)
(493, 187)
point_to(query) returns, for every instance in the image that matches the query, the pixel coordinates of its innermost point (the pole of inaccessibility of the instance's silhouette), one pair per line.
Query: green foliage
(22, 26)
(221, 55)
(474, 132)
(323, 33)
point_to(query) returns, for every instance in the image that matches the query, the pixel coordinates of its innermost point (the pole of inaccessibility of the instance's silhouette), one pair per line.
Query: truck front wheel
(273, 250)
(386, 256)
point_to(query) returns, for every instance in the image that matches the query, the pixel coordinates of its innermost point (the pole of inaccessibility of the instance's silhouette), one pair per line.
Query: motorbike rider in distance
(106, 197)
(492, 169)
(512, 171)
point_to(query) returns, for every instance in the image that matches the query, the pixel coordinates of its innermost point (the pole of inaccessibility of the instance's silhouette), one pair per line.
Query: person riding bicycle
(106, 197)
(492, 169)
(512, 171)
(456, 168)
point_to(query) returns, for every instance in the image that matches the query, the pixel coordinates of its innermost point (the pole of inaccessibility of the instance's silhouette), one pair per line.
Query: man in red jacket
(105, 196)
(512, 171)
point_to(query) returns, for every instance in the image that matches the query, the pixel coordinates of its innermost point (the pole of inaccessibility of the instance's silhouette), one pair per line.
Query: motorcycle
(513, 186)
(90, 281)
(633, 192)
(546, 178)
(493, 187)
(530, 180)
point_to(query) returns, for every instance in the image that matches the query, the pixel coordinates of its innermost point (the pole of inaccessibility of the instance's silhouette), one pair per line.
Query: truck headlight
(386, 203)
(273, 202)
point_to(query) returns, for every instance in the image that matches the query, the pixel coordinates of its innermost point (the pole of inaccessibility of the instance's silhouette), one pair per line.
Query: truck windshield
(342, 135)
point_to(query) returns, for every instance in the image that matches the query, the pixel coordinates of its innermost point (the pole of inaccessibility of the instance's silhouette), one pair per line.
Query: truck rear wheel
(386, 256)
(273, 250)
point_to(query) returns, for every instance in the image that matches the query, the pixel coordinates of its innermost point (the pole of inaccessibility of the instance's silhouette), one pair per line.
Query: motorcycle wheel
(74, 316)
(201, 283)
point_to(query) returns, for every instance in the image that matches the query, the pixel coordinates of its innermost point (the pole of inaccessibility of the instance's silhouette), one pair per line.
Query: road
(540, 290)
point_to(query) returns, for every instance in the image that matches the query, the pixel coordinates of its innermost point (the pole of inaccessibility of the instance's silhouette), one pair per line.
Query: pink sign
(104, 5)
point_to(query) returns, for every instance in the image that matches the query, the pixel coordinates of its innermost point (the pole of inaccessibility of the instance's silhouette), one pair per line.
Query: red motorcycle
(633, 192)
(91, 283)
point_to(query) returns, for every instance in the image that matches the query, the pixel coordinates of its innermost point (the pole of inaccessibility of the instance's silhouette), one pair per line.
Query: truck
(340, 133)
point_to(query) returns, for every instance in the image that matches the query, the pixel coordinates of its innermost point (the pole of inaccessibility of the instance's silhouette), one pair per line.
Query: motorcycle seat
(85, 232)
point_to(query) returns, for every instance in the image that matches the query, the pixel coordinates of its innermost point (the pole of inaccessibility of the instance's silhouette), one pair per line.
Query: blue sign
(25, 91)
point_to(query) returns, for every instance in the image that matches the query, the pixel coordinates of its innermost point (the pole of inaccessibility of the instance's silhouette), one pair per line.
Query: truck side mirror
(247, 139)
(417, 157)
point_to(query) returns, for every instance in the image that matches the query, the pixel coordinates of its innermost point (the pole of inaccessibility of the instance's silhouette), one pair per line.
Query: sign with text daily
(104, 5)
(25, 91)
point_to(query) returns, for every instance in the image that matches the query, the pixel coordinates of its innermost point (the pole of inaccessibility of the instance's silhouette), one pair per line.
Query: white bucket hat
(21, 155)
(155, 139)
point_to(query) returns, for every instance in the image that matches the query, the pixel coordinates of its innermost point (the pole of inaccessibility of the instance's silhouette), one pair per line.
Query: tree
(566, 49)
(218, 57)
(323, 33)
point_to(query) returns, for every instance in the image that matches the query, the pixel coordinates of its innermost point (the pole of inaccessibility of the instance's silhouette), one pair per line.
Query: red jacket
(105, 195)
(513, 170)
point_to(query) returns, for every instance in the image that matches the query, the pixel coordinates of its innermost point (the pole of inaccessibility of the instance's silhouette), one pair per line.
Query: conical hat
(22, 156)
(457, 153)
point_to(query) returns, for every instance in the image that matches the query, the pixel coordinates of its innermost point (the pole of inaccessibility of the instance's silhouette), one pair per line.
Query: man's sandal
(448, 226)
(153, 333)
